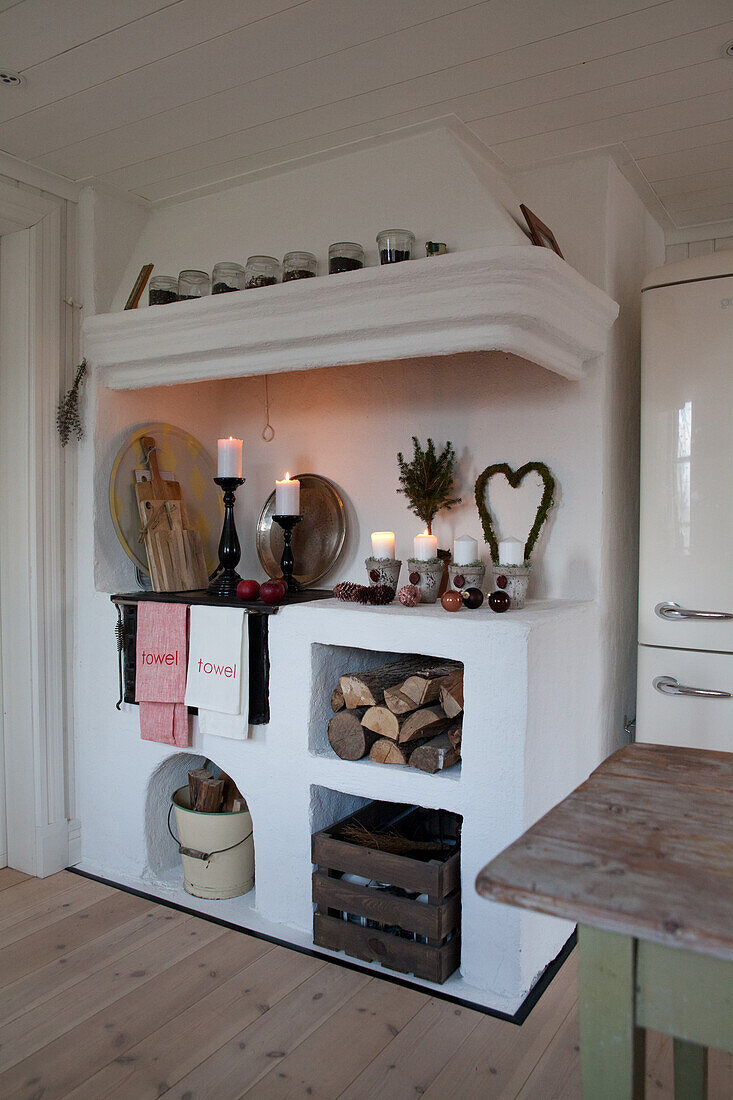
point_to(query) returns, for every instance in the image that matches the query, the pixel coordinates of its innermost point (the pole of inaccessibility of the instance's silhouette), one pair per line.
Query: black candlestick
(287, 562)
(225, 583)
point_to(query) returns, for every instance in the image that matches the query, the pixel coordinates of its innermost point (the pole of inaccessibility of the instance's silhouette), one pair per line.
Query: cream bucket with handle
(217, 850)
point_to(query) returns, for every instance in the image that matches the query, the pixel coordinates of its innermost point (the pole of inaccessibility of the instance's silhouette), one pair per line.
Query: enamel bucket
(217, 850)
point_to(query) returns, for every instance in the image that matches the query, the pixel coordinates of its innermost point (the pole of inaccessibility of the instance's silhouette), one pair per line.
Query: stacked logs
(407, 712)
(210, 795)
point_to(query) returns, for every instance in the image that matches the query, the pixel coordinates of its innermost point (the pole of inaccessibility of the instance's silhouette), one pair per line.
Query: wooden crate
(432, 950)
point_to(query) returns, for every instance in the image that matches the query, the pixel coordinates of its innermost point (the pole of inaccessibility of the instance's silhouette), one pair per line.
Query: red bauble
(272, 592)
(472, 597)
(501, 581)
(451, 600)
(499, 601)
(248, 590)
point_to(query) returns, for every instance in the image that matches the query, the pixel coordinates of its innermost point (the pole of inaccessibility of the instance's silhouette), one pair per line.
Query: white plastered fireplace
(508, 352)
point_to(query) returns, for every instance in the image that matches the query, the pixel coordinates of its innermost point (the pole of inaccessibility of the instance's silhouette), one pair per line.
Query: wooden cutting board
(175, 551)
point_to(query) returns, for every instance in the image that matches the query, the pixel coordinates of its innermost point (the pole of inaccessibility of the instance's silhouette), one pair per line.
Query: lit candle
(465, 550)
(511, 552)
(425, 546)
(229, 454)
(287, 497)
(383, 544)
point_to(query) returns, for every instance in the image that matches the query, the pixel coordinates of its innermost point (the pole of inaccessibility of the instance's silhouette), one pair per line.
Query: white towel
(234, 726)
(216, 670)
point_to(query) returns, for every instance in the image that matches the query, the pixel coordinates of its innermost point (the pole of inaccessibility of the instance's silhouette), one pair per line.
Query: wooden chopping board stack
(174, 549)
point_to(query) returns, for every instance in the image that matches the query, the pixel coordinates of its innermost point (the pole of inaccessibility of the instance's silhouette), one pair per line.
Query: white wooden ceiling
(164, 97)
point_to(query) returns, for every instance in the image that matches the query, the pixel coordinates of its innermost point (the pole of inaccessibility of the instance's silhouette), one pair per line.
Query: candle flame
(287, 476)
(231, 438)
(426, 532)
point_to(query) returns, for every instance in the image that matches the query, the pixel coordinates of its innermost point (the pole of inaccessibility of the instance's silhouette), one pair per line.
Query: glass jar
(395, 245)
(299, 265)
(193, 284)
(162, 290)
(261, 271)
(227, 277)
(345, 256)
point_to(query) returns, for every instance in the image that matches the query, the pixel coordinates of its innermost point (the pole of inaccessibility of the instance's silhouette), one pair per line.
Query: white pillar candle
(465, 550)
(511, 552)
(287, 497)
(229, 455)
(383, 544)
(425, 547)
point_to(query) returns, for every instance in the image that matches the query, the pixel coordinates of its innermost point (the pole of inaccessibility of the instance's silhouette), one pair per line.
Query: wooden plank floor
(105, 994)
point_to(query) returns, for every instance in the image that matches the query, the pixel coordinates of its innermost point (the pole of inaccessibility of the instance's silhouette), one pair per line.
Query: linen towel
(161, 652)
(160, 681)
(215, 659)
(234, 726)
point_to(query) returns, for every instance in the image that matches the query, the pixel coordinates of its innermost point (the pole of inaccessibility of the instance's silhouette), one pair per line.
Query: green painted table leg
(611, 1046)
(690, 1071)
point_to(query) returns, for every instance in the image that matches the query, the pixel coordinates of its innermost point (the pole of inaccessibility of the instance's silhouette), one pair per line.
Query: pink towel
(160, 681)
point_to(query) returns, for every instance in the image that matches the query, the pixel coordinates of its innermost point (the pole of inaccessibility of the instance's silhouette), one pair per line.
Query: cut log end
(435, 755)
(348, 738)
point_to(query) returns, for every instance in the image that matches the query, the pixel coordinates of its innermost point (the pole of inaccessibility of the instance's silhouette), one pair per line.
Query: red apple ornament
(248, 590)
(272, 592)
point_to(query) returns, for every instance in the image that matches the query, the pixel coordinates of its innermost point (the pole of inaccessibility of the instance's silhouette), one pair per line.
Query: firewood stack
(209, 795)
(407, 712)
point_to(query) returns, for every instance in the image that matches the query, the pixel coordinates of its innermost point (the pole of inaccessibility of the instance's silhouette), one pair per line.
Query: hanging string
(268, 432)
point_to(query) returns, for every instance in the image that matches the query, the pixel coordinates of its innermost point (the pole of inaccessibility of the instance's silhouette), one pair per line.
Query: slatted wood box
(433, 950)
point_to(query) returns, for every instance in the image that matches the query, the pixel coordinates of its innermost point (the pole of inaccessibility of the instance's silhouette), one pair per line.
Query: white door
(686, 535)
(685, 697)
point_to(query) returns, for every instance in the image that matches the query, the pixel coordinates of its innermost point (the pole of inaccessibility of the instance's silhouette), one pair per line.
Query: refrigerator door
(667, 715)
(686, 534)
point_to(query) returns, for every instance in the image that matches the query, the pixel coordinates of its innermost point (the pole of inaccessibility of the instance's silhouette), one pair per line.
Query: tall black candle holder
(225, 583)
(287, 562)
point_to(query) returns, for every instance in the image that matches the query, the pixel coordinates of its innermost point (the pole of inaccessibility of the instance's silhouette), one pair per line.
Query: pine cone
(410, 595)
(381, 594)
(346, 590)
(363, 594)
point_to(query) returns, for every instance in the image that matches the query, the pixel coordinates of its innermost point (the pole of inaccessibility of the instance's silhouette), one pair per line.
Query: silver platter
(317, 540)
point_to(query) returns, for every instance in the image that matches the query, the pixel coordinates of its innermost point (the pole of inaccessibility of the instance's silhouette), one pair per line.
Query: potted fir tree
(427, 481)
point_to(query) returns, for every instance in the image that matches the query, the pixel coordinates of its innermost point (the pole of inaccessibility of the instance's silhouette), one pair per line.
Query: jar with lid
(162, 290)
(226, 277)
(261, 271)
(193, 284)
(395, 245)
(345, 256)
(299, 265)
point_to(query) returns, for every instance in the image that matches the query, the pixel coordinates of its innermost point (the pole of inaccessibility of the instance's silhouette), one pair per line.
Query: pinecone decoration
(346, 590)
(381, 594)
(363, 594)
(409, 595)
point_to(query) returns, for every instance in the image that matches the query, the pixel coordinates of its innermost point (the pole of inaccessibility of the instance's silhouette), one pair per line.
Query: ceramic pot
(428, 574)
(466, 576)
(514, 580)
(383, 571)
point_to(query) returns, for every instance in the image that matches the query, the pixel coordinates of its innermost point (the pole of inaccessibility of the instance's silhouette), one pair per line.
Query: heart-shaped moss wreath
(515, 479)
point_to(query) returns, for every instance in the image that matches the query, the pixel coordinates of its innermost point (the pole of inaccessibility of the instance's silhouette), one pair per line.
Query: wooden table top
(643, 847)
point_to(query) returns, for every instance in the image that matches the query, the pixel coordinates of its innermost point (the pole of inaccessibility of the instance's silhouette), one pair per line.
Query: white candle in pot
(511, 552)
(229, 457)
(383, 544)
(465, 550)
(287, 497)
(425, 547)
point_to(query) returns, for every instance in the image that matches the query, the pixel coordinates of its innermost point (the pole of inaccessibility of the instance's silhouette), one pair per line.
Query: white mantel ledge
(518, 299)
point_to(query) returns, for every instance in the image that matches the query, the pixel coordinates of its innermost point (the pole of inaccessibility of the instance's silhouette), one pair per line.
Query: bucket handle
(193, 853)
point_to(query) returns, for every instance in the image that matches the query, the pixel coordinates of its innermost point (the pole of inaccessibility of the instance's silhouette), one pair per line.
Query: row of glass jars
(395, 245)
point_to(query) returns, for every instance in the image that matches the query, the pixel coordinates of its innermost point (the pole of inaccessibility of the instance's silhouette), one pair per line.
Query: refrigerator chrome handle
(671, 611)
(667, 685)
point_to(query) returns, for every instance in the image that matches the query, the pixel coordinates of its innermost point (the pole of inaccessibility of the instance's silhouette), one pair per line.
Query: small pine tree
(427, 481)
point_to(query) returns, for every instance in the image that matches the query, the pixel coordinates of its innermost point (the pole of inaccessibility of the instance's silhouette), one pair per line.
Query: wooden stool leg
(690, 1071)
(611, 1046)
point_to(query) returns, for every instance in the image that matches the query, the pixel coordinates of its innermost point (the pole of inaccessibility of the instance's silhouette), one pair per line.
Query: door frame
(33, 533)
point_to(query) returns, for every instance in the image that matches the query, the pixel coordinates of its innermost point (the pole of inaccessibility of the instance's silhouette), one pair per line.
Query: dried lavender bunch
(68, 418)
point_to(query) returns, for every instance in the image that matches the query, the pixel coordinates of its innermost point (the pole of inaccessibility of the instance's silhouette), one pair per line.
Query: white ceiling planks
(167, 98)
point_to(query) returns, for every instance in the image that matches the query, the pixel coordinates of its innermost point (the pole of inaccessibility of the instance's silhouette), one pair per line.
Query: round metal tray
(317, 540)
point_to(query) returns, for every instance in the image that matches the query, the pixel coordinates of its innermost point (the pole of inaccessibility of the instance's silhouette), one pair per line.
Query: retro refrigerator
(685, 654)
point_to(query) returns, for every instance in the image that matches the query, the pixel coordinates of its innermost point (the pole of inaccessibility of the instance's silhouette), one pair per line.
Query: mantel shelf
(520, 299)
